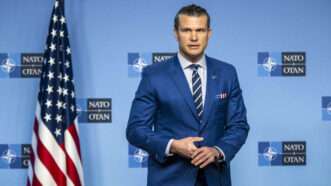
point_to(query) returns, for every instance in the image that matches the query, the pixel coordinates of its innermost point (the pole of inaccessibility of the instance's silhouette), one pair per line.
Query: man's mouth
(194, 46)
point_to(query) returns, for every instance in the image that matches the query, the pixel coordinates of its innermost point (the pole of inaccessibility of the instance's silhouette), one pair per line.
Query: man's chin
(195, 56)
(192, 55)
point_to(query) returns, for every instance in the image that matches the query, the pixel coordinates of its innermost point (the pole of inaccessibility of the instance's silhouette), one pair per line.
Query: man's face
(192, 36)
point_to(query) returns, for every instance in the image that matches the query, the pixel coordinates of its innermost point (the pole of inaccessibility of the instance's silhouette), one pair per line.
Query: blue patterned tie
(197, 90)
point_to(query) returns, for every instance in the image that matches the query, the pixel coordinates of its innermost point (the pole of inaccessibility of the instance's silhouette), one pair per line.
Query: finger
(201, 160)
(202, 155)
(197, 151)
(209, 160)
(196, 139)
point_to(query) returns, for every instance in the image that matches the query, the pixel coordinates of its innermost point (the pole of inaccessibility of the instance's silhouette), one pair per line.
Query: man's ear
(210, 33)
(175, 32)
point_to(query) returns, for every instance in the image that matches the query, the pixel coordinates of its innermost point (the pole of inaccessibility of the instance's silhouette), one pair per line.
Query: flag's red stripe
(72, 170)
(49, 162)
(35, 181)
(74, 134)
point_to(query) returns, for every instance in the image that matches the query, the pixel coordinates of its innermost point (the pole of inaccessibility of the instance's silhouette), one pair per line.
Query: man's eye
(185, 30)
(201, 30)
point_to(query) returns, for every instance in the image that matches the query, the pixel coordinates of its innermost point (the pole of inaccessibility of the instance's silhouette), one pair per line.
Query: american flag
(56, 157)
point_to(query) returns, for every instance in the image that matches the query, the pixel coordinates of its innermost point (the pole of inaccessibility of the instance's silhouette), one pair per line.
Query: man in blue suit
(188, 112)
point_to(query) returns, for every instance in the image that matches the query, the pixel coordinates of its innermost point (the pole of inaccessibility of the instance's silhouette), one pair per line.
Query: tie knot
(194, 67)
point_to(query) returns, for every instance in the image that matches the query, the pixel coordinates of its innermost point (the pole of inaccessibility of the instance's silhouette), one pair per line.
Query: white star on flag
(49, 89)
(52, 47)
(59, 105)
(58, 118)
(47, 117)
(48, 103)
(61, 33)
(50, 75)
(56, 4)
(72, 94)
(54, 18)
(53, 33)
(62, 20)
(59, 90)
(51, 61)
(68, 50)
(65, 92)
(58, 132)
(66, 78)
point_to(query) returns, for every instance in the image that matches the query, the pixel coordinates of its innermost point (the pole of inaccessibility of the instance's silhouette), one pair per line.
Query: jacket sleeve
(139, 131)
(237, 128)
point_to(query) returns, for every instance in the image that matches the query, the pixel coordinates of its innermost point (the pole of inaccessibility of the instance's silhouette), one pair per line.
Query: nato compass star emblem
(139, 64)
(140, 155)
(8, 65)
(270, 154)
(8, 156)
(269, 64)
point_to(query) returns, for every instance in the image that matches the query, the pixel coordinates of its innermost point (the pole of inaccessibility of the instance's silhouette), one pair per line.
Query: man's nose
(194, 36)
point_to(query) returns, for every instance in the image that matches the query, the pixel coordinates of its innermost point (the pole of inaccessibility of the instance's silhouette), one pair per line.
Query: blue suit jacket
(163, 109)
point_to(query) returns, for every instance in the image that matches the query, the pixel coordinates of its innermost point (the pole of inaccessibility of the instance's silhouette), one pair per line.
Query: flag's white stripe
(69, 182)
(81, 172)
(72, 151)
(76, 125)
(52, 146)
(41, 172)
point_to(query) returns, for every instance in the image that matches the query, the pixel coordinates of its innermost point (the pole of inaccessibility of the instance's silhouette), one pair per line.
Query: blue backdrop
(104, 32)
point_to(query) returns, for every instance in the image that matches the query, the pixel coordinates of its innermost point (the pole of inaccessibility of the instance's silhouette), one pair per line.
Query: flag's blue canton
(57, 95)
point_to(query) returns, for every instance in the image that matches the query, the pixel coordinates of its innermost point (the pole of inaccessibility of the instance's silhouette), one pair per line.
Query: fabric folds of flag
(55, 155)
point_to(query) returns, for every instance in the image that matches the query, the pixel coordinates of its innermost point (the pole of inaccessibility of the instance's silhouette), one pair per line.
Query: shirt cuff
(167, 151)
(222, 155)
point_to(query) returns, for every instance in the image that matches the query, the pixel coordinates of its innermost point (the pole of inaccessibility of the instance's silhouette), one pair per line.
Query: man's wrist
(221, 156)
(217, 153)
(173, 146)
(168, 151)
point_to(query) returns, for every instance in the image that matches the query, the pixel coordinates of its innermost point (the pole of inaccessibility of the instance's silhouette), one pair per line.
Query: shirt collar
(184, 63)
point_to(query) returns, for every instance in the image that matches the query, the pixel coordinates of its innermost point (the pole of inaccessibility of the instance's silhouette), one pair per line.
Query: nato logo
(281, 64)
(20, 65)
(326, 108)
(9, 65)
(14, 156)
(138, 158)
(94, 110)
(287, 153)
(137, 62)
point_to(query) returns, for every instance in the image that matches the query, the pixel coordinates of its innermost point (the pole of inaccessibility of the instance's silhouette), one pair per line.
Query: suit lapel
(211, 90)
(180, 81)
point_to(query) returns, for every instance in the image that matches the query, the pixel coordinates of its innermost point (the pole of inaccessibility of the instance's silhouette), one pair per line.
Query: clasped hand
(200, 157)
